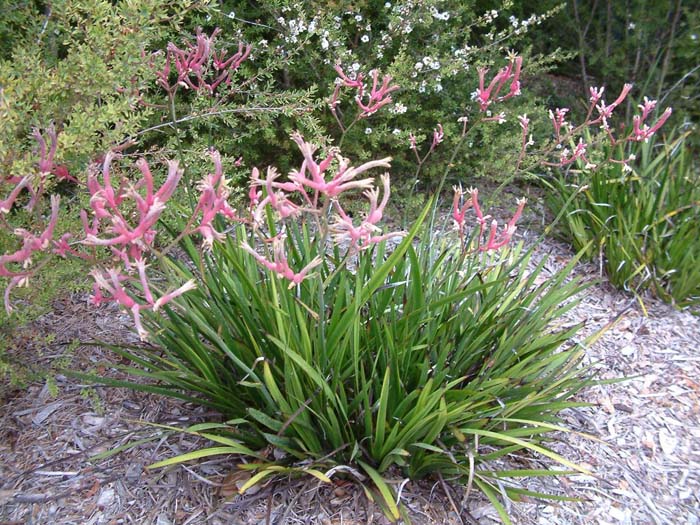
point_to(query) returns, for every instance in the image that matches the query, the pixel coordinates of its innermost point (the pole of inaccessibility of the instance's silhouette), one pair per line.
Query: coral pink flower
(438, 136)
(378, 97)
(6, 205)
(280, 264)
(641, 131)
(344, 178)
(485, 96)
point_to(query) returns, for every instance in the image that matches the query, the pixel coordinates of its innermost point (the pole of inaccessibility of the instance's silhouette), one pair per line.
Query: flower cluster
(564, 132)
(35, 184)
(485, 96)
(496, 239)
(199, 66)
(312, 189)
(378, 95)
(642, 131)
(31, 244)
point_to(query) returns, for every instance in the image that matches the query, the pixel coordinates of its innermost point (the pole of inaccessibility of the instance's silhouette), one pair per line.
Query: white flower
(324, 43)
(365, 38)
(232, 14)
(438, 88)
(419, 65)
(396, 131)
(631, 26)
(355, 67)
(368, 131)
(358, 18)
(398, 109)
(387, 5)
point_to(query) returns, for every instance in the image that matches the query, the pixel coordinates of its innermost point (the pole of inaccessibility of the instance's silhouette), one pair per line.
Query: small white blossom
(232, 14)
(365, 38)
(368, 131)
(355, 67)
(358, 18)
(398, 109)
(387, 5)
(396, 131)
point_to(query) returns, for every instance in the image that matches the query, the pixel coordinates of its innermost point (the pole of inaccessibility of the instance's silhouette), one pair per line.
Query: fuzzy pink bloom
(524, 123)
(111, 281)
(459, 212)
(6, 205)
(378, 97)
(105, 204)
(496, 239)
(485, 96)
(31, 244)
(199, 65)
(165, 299)
(499, 117)
(213, 201)
(558, 118)
(347, 81)
(344, 178)
(641, 131)
(605, 112)
(46, 155)
(280, 264)
(365, 234)
(578, 153)
(596, 94)
(438, 136)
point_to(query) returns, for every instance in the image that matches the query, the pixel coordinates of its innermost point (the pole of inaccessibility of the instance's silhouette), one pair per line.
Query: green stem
(180, 154)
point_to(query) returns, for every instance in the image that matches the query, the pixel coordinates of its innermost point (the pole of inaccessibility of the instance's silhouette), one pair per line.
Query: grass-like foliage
(644, 223)
(427, 358)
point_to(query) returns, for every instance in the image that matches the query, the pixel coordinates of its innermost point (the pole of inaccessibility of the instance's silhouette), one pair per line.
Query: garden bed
(646, 460)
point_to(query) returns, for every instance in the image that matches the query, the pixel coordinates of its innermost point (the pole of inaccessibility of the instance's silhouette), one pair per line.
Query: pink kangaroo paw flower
(298, 277)
(141, 267)
(348, 82)
(136, 313)
(377, 210)
(189, 285)
(168, 188)
(6, 205)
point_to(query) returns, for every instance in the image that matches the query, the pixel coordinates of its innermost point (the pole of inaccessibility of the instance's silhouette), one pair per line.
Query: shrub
(640, 219)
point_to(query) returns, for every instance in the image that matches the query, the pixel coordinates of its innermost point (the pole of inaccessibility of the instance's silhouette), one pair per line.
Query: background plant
(639, 220)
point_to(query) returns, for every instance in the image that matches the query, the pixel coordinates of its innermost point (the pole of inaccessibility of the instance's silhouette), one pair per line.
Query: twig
(449, 498)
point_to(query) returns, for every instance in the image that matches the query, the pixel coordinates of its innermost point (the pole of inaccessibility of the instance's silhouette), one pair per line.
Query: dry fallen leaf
(667, 441)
